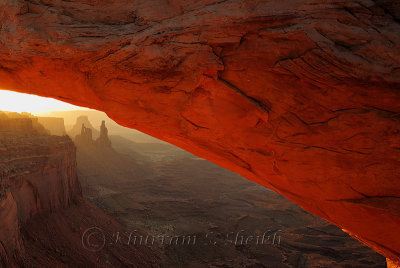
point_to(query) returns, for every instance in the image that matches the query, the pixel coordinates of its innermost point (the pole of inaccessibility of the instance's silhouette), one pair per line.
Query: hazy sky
(19, 102)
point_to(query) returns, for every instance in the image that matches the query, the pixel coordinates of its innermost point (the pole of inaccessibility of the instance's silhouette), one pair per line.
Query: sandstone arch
(302, 96)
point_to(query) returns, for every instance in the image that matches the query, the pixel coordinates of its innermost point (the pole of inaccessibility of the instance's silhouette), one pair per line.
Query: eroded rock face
(43, 216)
(302, 96)
(37, 175)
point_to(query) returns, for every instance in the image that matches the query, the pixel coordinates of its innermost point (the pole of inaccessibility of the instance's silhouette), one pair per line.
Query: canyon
(42, 211)
(163, 190)
(300, 96)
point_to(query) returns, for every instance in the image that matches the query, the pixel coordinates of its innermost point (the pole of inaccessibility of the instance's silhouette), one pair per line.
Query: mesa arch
(302, 96)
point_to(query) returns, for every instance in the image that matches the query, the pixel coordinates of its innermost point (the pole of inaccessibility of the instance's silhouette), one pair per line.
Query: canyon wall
(37, 175)
(44, 125)
(17, 125)
(301, 96)
(12, 123)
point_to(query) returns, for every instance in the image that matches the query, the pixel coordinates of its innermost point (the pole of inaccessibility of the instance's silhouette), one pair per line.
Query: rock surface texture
(37, 175)
(43, 216)
(302, 96)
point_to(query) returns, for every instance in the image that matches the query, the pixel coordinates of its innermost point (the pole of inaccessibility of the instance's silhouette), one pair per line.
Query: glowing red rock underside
(300, 96)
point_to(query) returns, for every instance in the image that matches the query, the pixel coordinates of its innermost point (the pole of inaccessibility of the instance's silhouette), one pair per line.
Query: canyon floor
(163, 190)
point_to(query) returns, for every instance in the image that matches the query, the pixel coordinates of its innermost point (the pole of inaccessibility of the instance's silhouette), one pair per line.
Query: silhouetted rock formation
(77, 128)
(103, 140)
(86, 139)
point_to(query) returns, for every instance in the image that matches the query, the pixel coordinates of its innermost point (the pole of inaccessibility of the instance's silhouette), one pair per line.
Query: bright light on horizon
(20, 102)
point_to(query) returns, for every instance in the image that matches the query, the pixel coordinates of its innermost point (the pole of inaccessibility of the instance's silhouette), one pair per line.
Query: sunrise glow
(20, 102)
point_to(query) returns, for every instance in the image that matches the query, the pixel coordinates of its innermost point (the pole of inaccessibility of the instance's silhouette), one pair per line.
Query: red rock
(37, 175)
(300, 96)
(42, 208)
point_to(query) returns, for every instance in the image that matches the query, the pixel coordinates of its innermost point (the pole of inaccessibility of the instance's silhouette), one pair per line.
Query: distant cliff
(27, 122)
(24, 123)
(54, 124)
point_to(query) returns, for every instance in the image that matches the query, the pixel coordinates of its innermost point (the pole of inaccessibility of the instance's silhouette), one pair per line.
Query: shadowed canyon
(299, 96)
